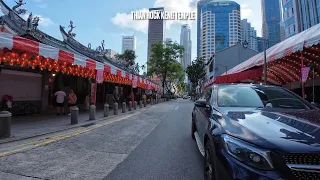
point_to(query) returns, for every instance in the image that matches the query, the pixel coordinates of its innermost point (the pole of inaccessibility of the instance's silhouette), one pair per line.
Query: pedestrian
(60, 96)
(72, 99)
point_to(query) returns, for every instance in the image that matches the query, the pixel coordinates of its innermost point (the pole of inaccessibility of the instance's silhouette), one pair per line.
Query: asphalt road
(152, 144)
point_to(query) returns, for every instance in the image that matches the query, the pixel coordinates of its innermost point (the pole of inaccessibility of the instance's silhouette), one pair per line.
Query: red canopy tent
(284, 61)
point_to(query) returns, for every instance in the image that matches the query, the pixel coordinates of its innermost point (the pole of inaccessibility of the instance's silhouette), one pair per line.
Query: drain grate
(89, 124)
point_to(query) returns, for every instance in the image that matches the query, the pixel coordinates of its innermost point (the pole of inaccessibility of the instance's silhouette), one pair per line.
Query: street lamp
(222, 66)
(265, 57)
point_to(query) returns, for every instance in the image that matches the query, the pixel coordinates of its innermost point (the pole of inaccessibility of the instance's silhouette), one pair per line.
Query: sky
(109, 20)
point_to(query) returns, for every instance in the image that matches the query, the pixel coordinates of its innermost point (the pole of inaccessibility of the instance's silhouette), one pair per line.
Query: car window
(234, 96)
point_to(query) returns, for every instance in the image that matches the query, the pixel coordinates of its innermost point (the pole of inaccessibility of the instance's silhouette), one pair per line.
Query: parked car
(185, 96)
(257, 132)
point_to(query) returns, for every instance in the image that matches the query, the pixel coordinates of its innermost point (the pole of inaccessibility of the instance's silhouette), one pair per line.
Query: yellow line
(34, 144)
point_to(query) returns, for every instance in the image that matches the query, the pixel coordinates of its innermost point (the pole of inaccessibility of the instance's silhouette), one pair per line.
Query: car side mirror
(201, 103)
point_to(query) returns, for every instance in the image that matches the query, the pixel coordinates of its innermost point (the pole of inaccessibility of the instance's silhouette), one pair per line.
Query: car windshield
(234, 96)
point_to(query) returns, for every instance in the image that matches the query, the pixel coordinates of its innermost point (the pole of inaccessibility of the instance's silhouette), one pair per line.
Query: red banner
(99, 77)
(134, 83)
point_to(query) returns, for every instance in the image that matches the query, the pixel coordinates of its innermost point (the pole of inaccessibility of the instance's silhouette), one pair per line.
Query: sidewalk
(24, 127)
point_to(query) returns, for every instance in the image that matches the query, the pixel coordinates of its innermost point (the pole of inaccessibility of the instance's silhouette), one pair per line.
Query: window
(240, 96)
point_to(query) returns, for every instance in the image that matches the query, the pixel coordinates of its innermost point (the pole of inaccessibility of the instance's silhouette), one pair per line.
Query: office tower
(199, 6)
(155, 31)
(249, 34)
(220, 28)
(299, 15)
(271, 21)
(185, 41)
(128, 43)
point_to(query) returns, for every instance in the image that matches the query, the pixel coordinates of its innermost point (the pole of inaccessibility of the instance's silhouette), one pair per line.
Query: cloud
(44, 22)
(125, 20)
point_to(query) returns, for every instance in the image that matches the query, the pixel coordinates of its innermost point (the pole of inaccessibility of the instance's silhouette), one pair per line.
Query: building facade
(128, 43)
(234, 55)
(155, 31)
(220, 28)
(185, 41)
(299, 15)
(271, 18)
(249, 34)
(168, 41)
(111, 53)
(199, 6)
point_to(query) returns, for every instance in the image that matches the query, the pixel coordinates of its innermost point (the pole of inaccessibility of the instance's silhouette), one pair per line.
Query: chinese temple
(33, 64)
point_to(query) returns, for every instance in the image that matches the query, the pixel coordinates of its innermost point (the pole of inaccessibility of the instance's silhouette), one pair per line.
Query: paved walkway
(29, 126)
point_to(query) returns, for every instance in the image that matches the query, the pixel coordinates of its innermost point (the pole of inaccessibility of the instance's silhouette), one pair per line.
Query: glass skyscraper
(271, 18)
(220, 27)
(299, 15)
(199, 6)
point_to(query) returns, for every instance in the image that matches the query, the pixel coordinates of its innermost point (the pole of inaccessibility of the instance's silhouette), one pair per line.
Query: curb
(87, 122)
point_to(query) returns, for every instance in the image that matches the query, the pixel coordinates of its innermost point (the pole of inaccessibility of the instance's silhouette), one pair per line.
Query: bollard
(135, 105)
(92, 112)
(140, 103)
(74, 115)
(130, 106)
(124, 107)
(115, 108)
(106, 110)
(5, 124)
(145, 103)
(152, 101)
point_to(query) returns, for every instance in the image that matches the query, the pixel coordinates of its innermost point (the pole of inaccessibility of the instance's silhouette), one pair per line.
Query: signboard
(93, 93)
(305, 73)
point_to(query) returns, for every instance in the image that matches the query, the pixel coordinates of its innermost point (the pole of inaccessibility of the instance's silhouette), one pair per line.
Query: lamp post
(265, 40)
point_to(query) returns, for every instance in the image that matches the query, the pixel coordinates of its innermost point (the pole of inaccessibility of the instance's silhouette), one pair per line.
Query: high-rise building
(111, 53)
(249, 34)
(185, 41)
(299, 15)
(128, 43)
(220, 28)
(260, 44)
(155, 31)
(199, 6)
(271, 18)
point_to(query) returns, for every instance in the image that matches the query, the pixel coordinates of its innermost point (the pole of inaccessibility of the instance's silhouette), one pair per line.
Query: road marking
(176, 108)
(44, 142)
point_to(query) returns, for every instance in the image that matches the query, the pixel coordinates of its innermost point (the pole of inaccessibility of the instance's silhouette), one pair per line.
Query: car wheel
(193, 129)
(209, 165)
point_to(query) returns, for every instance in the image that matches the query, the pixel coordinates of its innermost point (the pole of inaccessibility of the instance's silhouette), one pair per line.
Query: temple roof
(20, 27)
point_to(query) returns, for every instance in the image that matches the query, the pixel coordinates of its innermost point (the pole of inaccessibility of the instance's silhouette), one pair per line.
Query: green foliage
(181, 87)
(163, 62)
(128, 56)
(196, 71)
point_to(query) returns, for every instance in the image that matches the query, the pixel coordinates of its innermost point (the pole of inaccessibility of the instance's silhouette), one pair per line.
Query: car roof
(260, 86)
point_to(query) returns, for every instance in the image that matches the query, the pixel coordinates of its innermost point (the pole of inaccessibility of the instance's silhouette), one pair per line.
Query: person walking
(60, 96)
(72, 99)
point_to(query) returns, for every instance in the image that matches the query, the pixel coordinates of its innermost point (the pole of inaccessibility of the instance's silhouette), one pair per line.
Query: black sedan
(256, 132)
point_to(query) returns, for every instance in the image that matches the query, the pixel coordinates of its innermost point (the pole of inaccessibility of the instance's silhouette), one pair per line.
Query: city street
(154, 143)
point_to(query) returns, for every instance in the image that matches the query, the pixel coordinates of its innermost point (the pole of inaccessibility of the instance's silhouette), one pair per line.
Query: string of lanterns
(30, 60)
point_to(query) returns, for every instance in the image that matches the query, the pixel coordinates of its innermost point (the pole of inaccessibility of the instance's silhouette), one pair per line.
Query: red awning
(240, 76)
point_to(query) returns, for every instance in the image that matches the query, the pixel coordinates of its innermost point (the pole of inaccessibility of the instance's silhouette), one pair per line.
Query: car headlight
(247, 153)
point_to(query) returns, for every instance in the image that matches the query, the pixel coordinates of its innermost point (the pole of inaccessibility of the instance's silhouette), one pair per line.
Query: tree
(128, 57)
(181, 87)
(196, 71)
(137, 68)
(163, 62)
